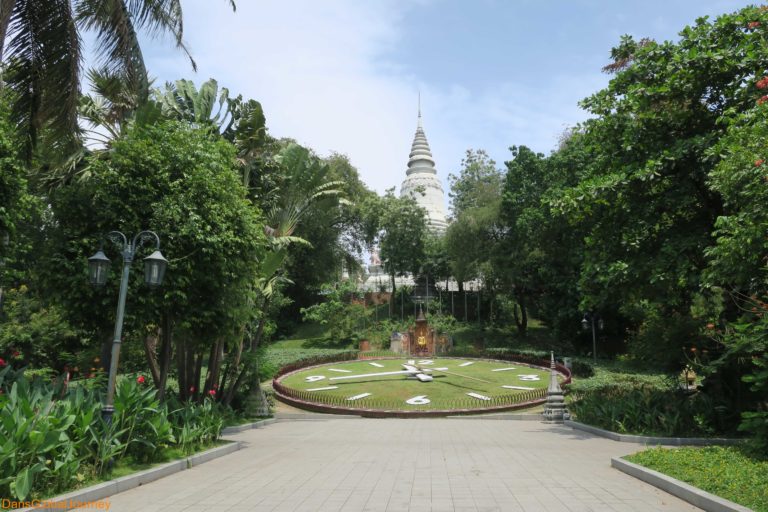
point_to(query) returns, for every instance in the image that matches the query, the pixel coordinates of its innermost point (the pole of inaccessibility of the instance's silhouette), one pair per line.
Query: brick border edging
(682, 490)
(665, 441)
(125, 483)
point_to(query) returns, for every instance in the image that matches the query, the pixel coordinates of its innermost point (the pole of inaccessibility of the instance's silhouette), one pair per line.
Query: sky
(345, 75)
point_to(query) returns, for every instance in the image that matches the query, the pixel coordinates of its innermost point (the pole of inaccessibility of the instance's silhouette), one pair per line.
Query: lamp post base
(106, 414)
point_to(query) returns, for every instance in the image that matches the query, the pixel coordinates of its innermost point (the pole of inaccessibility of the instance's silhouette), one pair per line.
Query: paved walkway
(356, 465)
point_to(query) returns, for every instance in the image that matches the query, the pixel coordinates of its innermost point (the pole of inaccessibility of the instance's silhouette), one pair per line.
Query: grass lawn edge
(103, 490)
(693, 495)
(652, 440)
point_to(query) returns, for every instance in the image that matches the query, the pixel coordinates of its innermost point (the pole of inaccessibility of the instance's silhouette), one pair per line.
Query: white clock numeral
(314, 378)
(324, 389)
(523, 388)
(411, 361)
(503, 369)
(418, 400)
(528, 377)
(426, 361)
(357, 397)
(478, 396)
(340, 371)
(467, 363)
(377, 365)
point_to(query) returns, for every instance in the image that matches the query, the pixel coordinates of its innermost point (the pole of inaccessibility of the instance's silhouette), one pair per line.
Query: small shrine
(421, 337)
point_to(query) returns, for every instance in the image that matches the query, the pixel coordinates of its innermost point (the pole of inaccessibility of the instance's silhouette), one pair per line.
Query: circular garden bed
(408, 387)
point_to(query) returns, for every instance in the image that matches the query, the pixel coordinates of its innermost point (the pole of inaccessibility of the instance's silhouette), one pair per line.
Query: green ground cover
(728, 472)
(445, 390)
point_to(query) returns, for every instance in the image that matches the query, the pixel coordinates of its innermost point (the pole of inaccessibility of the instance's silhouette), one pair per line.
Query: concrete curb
(689, 493)
(665, 441)
(228, 431)
(500, 416)
(106, 489)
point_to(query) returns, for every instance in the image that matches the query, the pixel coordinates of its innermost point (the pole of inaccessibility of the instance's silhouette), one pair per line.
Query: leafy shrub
(276, 358)
(36, 451)
(52, 438)
(746, 345)
(343, 312)
(648, 410)
(36, 333)
(141, 420)
(195, 425)
(661, 337)
(582, 369)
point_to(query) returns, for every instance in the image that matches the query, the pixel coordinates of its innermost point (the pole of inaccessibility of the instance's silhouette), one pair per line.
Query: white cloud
(323, 73)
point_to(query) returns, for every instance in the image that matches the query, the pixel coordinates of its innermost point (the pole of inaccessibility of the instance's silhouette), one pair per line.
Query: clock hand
(401, 372)
(456, 374)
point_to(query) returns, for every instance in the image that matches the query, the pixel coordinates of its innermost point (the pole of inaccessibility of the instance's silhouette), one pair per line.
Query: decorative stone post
(554, 409)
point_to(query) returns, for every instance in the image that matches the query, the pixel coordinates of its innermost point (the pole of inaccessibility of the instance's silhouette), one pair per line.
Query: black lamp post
(590, 318)
(98, 268)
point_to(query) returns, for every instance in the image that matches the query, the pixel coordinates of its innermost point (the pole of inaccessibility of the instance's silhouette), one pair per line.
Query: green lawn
(729, 472)
(446, 388)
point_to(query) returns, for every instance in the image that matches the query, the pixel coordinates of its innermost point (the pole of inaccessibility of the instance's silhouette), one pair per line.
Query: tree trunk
(106, 350)
(214, 367)
(234, 364)
(198, 370)
(233, 388)
(150, 349)
(393, 297)
(256, 341)
(522, 321)
(165, 354)
(181, 369)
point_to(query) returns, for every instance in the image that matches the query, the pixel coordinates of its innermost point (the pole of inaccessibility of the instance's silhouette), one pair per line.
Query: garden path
(355, 465)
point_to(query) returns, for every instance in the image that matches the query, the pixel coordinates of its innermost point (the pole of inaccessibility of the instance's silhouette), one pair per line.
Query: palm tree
(41, 55)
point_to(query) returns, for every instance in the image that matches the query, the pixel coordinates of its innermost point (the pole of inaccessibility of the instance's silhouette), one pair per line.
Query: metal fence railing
(373, 403)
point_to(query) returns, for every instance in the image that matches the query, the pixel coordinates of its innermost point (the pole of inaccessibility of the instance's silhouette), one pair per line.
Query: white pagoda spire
(421, 181)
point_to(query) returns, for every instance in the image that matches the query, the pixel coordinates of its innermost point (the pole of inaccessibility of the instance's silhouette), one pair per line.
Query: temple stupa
(421, 181)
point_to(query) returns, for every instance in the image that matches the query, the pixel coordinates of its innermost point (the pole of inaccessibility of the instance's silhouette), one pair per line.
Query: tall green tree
(521, 212)
(41, 52)
(644, 196)
(478, 182)
(398, 226)
(179, 182)
(475, 197)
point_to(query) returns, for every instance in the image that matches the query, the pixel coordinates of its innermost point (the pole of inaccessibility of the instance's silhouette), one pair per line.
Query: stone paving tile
(435, 465)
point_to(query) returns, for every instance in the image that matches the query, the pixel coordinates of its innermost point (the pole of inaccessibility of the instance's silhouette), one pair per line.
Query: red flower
(693, 349)
(753, 24)
(212, 392)
(192, 389)
(710, 326)
(91, 375)
(140, 379)
(16, 353)
(760, 162)
(762, 99)
(2, 362)
(762, 83)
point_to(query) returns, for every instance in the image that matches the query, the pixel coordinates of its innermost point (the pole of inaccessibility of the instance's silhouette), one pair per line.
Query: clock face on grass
(414, 384)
